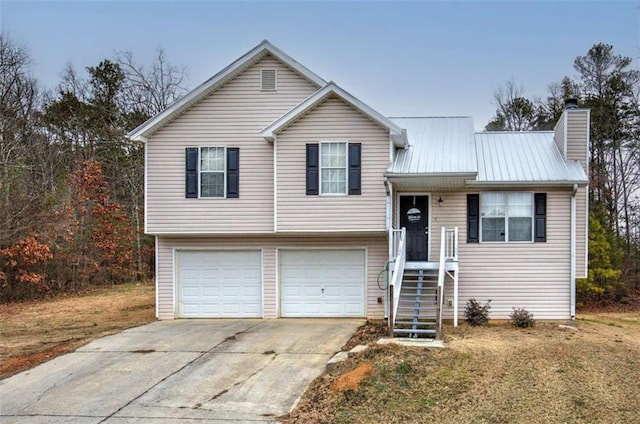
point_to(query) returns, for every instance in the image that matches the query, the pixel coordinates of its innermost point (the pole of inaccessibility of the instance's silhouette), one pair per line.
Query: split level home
(273, 193)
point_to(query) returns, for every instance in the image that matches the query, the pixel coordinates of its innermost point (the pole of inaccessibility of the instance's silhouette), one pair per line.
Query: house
(274, 193)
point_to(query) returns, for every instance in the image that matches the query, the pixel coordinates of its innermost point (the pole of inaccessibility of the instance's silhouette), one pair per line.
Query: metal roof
(437, 145)
(524, 157)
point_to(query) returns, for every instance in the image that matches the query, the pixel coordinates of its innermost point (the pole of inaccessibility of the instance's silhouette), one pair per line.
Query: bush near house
(475, 313)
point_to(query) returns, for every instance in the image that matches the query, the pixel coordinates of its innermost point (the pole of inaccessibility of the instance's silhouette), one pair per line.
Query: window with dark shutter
(312, 169)
(233, 172)
(540, 224)
(355, 150)
(191, 172)
(473, 218)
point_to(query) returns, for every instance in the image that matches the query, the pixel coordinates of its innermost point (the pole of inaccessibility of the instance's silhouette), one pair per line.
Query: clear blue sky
(411, 59)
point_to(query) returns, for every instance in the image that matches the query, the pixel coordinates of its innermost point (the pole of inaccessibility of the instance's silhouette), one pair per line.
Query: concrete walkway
(179, 372)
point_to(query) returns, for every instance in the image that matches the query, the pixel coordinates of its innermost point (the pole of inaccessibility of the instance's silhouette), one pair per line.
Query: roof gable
(398, 134)
(229, 72)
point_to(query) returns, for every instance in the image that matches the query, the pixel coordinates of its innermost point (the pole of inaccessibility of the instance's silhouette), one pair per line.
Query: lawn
(34, 332)
(493, 374)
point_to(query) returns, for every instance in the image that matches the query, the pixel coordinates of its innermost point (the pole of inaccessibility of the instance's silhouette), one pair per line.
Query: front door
(414, 216)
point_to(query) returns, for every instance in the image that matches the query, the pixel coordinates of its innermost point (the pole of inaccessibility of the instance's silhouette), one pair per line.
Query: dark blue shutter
(540, 220)
(355, 150)
(312, 168)
(233, 172)
(191, 172)
(473, 218)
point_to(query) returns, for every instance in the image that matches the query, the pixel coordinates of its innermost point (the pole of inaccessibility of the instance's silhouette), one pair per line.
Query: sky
(415, 58)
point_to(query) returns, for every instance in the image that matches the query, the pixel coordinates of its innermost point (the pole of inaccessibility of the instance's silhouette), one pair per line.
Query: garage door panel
(322, 283)
(215, 284)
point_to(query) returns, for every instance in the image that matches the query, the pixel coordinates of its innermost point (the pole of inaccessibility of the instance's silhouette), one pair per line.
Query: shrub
(476, 313)
(522, 318)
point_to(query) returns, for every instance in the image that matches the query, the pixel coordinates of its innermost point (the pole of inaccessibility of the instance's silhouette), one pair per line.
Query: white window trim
(506, 220)
(224, 172)
(275, 80)
(346, 168)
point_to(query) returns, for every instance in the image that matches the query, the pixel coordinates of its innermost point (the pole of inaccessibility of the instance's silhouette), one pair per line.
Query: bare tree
(514, 112)
(150, 90)
(18, 103)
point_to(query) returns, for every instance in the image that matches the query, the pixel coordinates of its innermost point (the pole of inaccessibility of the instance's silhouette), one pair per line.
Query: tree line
(606, 83)
(71, 183)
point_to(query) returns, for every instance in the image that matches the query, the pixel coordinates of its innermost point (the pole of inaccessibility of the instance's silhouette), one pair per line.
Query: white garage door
(322, 283)
(219, 284)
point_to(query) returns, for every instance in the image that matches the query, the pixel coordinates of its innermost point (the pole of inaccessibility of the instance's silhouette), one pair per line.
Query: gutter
(575, 184)
(573, 252)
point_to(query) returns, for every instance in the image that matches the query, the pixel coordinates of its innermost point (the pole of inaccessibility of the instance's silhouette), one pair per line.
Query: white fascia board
(525, 183)
(218, 79)
(397, 134)
(431, 174)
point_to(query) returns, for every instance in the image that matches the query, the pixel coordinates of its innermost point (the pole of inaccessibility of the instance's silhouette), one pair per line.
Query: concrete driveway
(179, 371)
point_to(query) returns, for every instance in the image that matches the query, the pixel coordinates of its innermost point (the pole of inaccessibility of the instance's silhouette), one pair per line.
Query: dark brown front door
(414, 216)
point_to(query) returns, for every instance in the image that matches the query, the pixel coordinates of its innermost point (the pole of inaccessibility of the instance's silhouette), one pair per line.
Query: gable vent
(268, 80)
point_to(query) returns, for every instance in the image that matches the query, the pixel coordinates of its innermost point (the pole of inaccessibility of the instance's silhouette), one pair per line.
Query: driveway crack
(258, 371)
(177, 371)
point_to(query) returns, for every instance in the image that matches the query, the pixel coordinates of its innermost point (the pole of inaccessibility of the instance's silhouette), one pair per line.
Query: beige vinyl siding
(582, 237)
(558, 135)
(231, 116)
(577, 135)
(531, 275)
(333, 120)
(376, 248)
(577, 149)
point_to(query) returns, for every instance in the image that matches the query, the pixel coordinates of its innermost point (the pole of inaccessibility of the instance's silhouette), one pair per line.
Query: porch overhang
(430, 181)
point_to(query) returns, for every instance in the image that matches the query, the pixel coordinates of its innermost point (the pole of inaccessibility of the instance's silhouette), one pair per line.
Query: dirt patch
(493, 374)
(351, 379)
(368, 333)
(35, 332)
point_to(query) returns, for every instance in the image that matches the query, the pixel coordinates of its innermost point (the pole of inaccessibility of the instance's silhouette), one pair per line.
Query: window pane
(333, 155)
(212, 159)
(493, 229)
(492, 204)
(520, 229)
(212, 184)
(333, 164)
(334, 181)
(520, 204)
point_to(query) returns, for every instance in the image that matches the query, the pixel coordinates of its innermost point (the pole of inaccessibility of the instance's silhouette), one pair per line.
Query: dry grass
(494, 374)
(34, 332)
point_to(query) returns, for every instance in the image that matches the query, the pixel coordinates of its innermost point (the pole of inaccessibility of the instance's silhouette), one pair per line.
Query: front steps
(417, 313)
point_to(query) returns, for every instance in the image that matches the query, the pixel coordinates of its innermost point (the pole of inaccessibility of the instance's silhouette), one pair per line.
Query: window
(506, 217)
(212, 172)
(268, 79)
(212, 166)
(333, 168)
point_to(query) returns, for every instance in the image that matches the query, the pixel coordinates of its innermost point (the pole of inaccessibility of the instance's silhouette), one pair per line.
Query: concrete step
(417, 331)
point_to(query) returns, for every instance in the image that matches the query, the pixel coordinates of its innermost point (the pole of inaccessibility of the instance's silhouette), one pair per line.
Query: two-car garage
(310, 283)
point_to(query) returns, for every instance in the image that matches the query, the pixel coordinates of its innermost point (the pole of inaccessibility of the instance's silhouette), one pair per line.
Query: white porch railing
(450, 247)
(398, 256)
(448, 253)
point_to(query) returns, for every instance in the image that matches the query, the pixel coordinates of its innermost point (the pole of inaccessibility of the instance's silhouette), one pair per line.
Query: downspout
(275, 186)
(157, 277)
(388, 190)
(573, 251)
